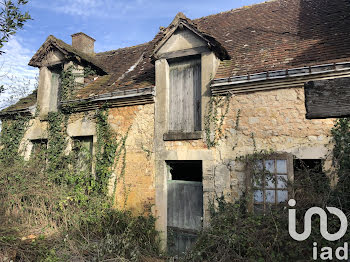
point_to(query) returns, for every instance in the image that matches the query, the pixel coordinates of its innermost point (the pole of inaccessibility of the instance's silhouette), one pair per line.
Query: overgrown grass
(43, 221)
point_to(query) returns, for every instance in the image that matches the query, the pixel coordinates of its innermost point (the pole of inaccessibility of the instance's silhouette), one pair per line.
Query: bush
(235, 234)
(43, 221)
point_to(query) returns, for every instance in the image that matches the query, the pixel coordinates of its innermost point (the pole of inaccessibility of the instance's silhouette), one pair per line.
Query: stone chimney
(83, 43)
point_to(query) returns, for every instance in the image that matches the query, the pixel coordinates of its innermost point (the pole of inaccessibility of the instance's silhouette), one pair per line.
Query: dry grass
(42, 221)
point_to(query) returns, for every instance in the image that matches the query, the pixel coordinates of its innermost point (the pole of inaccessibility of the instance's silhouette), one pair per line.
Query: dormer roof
(67, 50)
(182, 22)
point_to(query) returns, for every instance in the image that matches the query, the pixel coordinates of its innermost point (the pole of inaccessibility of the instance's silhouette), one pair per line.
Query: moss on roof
(66, 49)
(23, 103)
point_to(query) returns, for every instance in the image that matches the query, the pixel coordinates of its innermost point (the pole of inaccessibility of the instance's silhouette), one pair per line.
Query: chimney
(83, 43)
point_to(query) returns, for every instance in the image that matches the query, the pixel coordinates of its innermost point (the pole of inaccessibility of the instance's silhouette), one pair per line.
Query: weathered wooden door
(185, 211)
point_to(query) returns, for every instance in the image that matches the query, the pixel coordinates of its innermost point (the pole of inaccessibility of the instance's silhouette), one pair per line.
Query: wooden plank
(185, 84)
(225, 88)
(327, 98)
(185, 209)
(197, 85)
(185, 205)
(173, 136)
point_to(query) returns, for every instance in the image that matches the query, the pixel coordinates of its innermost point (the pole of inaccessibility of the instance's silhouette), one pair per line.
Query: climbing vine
(68, 82)
(217, 110)
(69, 77)
(11, 136)
(57, 162)
(341, 160)
(110, 152)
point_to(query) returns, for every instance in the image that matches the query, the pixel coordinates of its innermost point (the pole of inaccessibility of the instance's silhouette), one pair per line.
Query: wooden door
(185, 211)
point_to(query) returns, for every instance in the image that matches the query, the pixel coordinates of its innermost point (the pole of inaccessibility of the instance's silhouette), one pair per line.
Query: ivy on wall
(57, 143)
(12, 133)
(68, 80)
(217, 109)
(110, 152)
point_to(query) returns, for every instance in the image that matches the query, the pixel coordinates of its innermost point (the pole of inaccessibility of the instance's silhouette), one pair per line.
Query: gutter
(138, 96)
(278, 79)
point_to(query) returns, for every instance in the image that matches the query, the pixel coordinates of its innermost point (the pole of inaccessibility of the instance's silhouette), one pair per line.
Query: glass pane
(270, 166)
(259, 165)
(257, 181)
(270, 181)
(282, 181)
(282, 196)
(282, 166)
(258, 196)
(270, 196)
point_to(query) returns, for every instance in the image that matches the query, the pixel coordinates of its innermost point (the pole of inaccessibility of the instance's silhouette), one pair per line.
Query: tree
(12, 18)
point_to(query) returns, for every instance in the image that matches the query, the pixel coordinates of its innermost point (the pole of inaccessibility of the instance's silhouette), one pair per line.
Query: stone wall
(136, 190)
(269, 120)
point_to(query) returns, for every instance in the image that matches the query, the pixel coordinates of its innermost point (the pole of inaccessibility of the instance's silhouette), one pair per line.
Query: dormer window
(185, 94)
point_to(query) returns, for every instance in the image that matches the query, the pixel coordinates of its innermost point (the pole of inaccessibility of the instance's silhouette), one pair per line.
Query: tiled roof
(66, 49)
(128, 68)
(281, 34)
(274, 35)
(23, 103)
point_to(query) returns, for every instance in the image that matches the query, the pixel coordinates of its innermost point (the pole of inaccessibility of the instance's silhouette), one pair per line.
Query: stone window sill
(178, 135)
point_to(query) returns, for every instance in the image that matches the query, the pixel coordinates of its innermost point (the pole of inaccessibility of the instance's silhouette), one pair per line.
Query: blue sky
(113, 23)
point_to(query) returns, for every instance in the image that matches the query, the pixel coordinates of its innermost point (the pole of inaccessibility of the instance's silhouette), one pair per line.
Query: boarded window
(185, 95)
(83, 146)
(55, 86)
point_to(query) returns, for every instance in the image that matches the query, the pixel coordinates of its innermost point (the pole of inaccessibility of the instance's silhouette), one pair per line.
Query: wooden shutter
(185, 96)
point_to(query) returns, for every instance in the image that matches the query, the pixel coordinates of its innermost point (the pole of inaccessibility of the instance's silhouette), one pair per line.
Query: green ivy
(109, 152)
(57, 143)
(341, 159)
(11, 136)
(217, 110)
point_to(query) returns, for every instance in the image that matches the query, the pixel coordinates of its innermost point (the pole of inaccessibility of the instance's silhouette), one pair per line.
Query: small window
(185, 170)
(185, 95)
(269, 179)
(82, 147)
(310, 180)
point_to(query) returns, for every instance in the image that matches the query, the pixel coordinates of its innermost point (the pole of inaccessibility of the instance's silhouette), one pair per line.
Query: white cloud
(18, 78)
(86, 8)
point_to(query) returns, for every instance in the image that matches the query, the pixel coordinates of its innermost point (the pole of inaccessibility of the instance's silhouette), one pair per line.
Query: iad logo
(327, 253)
(323, 222)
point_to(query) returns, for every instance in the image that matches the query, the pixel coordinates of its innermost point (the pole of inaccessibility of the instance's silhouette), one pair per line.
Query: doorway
(185, 204)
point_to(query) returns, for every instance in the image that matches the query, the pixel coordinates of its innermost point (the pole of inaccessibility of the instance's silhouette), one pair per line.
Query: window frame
(82, 139)
(251, 188)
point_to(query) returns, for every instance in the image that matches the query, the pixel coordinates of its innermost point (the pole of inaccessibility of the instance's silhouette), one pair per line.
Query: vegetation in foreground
(238, 235)
(60, 214)
(52, 208)
(43, 221)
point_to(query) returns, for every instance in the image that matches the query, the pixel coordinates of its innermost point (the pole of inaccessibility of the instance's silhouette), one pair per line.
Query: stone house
(181, 152)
